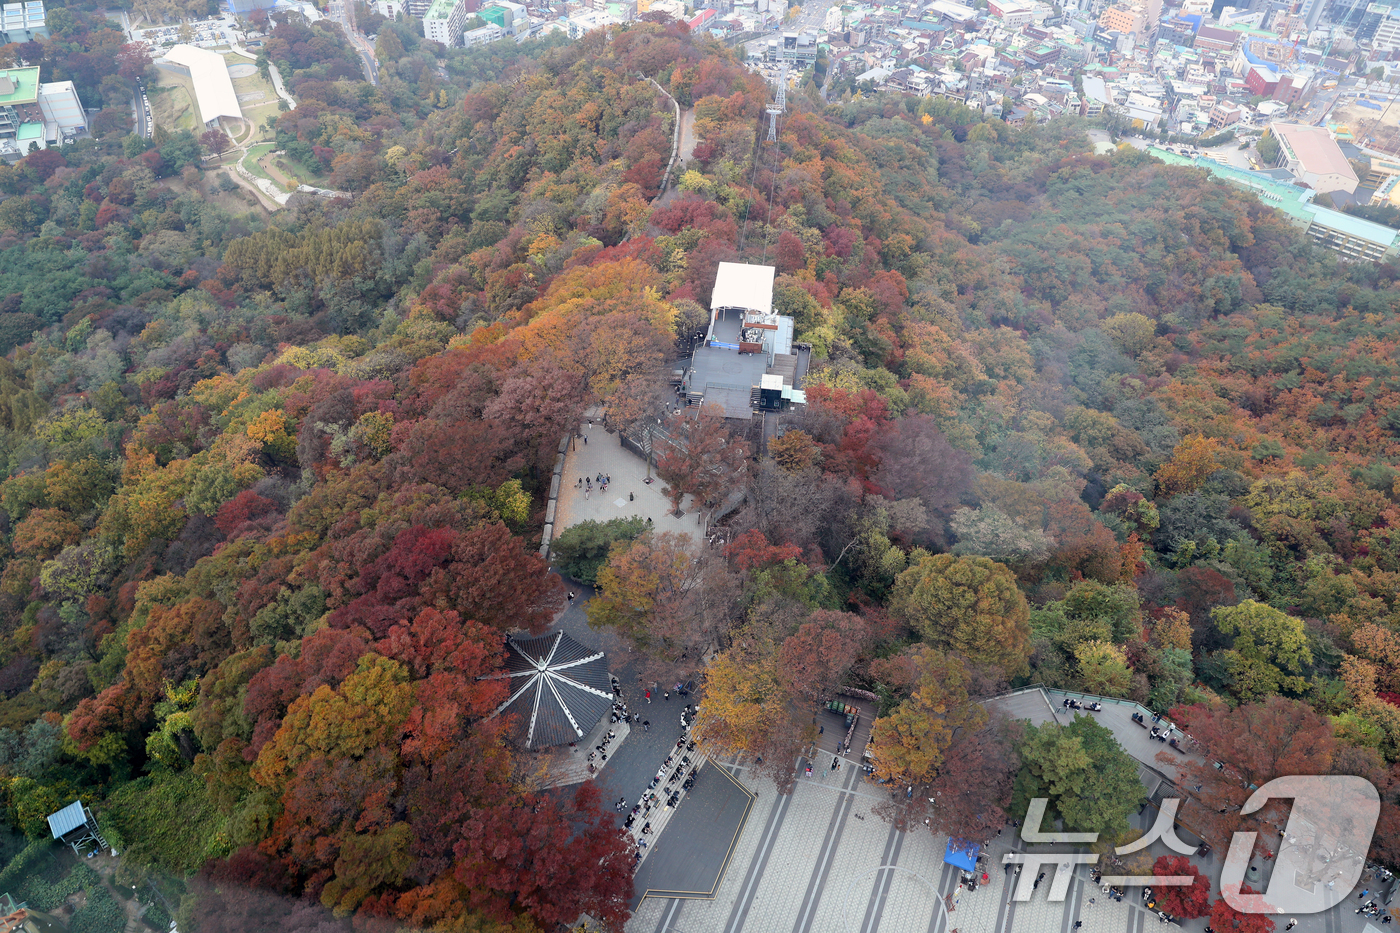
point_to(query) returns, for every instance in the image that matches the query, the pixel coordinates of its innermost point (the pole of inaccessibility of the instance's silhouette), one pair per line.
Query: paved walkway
(628, 495)
(686, 150)
(810, 862)
(819, 861)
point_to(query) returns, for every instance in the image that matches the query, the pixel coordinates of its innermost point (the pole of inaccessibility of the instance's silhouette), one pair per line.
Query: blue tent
(962, 854)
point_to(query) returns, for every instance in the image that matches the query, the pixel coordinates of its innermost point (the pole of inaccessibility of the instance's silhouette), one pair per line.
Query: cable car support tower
(779, 104)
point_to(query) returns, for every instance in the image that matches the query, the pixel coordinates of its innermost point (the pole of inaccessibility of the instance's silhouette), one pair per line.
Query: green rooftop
(441, 9)
(1294, 201)
(1290, 199)
(1355, 226)
(19, 86)
(495, 15)
(30, 131)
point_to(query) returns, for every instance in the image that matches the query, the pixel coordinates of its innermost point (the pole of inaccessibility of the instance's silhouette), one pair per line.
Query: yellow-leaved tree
(908, 745)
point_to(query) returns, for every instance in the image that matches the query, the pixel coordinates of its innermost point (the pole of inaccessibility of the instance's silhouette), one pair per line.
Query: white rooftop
(213, 88)
(739, 285)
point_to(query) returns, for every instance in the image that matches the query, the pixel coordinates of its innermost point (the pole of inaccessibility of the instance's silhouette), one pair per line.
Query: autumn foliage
(276, 484)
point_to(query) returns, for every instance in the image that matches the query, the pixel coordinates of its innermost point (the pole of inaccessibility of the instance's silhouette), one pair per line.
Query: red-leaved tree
(1187, 901)
(1226, 919)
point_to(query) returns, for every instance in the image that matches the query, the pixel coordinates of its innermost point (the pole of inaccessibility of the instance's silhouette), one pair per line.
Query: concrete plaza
(819, 861)
(628, 495)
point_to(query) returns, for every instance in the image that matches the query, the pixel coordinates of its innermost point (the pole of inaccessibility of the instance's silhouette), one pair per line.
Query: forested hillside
(274, 483)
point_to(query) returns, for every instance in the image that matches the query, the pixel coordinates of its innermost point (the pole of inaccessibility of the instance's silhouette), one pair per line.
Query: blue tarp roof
(68, 819)
(962, 854)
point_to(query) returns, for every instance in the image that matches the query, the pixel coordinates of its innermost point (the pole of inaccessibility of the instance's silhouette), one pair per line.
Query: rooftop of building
(441, 9)
(19, 86)
(1314, 148)
(741, 285)
(1354, 226)
(213, 88)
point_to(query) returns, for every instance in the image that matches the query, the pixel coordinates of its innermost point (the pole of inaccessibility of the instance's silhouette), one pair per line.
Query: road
(344, 13)
(813, 17)
(143, 125)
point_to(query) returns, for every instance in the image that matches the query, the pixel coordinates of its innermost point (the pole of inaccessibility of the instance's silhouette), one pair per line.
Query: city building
(1122, 18)
(1216, 39)
(213, 88)
(672, 8)
(390, 9)
(953, 12)
(1012, 14)
(585, 21)
(511, 17)
(1311, 12)
(1177, 31)
(64, 117)
(1351, 236)
(1313, 157)
(700, 19)
(792, 47)
(23, 22)
(1225, 113)
(1290, 88)
(21, 120)
(1096, 97)
(482, 35)
(445, 22)
(1261, 81)
(34, 114)
(1387, 37)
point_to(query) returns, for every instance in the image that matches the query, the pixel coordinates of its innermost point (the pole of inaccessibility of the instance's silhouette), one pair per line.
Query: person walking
(1362, 895)
(1292, 922)
(648, 696)
(646, 725)
(572, 594)
(666, 696)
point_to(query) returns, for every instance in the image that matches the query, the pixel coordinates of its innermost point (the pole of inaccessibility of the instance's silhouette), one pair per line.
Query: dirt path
(278, 175)
(686, 150)
(264, 201)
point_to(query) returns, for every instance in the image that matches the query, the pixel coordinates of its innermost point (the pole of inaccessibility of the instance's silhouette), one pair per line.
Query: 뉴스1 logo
(1327, 835)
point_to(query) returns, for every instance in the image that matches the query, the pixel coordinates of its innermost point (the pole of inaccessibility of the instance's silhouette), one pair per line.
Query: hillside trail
(685, 151)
